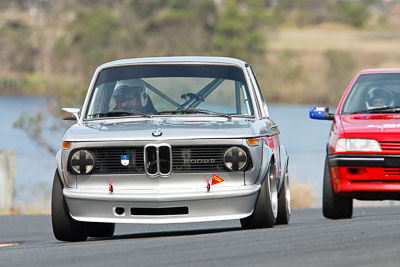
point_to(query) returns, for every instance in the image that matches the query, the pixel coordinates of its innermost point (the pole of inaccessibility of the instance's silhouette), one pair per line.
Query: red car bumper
(366, 176)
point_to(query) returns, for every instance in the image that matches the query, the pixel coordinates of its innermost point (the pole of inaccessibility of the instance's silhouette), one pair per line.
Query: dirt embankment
(316, 65)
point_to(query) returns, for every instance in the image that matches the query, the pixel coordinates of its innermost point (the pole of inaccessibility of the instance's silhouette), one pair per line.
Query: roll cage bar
(192, 100)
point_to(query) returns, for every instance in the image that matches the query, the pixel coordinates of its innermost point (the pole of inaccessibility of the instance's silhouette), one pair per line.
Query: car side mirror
(321, 113)
(70, 114)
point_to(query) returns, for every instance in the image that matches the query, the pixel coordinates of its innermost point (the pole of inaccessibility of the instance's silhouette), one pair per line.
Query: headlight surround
(82, 162)
(235, 159)
(357, 144)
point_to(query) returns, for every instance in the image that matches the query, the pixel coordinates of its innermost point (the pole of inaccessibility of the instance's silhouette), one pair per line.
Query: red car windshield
(373, 93)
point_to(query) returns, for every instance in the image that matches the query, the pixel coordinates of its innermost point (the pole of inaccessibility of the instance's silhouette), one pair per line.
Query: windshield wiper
(194, 111)
(379, 110)
(119, 113)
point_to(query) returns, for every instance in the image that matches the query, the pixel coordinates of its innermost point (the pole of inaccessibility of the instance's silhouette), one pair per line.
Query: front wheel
(266, 207)
(65, 228)
(333, 205)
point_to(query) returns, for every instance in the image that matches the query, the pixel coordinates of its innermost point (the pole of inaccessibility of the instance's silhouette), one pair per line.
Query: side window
(259, 96)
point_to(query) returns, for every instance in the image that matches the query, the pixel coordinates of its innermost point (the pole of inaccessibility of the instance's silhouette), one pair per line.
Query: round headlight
(235, 158)
(82, 162)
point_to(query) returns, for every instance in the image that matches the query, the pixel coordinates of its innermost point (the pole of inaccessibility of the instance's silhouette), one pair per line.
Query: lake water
(305, 140)
(34, 165)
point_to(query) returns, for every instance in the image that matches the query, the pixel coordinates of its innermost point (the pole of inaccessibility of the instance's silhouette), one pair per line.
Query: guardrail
(7, 173)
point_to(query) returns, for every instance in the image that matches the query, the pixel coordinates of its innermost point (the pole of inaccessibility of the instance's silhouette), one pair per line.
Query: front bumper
(101, 206)
(352, 173)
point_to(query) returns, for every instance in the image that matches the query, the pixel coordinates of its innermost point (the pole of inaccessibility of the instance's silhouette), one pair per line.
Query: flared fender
(267, 157)
(59, 166)
(284, 165)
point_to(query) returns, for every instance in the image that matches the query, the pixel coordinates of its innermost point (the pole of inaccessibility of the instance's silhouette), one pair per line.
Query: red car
(363, 151)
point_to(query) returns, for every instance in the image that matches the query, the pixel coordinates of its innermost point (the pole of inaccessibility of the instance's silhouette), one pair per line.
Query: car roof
(178, 60)
(382, 70)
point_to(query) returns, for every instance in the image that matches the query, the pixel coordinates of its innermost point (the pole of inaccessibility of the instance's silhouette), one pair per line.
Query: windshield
(148, 90)
(374, 93)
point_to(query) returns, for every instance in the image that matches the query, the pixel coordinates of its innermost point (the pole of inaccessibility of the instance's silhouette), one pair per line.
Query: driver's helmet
(126, 90)
(378, 97)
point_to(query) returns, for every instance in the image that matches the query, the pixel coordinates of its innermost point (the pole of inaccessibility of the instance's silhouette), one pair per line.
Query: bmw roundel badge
(157, 133)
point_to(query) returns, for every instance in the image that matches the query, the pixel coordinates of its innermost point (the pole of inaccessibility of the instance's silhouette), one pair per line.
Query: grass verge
(302, 195)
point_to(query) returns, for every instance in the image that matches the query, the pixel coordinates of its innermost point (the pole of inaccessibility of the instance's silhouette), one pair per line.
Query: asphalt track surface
(370, 238)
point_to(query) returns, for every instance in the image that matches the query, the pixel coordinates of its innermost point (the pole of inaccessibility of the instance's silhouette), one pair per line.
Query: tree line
(53, 47)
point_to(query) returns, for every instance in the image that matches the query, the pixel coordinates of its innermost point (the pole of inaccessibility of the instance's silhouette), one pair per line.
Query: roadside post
(7, 173)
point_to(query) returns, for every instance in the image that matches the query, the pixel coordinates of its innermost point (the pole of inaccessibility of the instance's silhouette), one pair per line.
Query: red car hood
(376, 126)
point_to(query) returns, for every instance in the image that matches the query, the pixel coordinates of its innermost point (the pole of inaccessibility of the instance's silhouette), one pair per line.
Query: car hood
(371, 125)
(170, 129)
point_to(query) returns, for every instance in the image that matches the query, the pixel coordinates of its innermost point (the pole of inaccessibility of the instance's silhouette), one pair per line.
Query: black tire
(264, 215)
(333, 205)
(101, 229)
(64, 227)
(284, 208)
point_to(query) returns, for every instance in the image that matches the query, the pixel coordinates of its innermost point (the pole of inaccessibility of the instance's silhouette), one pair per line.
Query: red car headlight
(357, 145)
